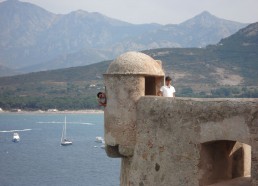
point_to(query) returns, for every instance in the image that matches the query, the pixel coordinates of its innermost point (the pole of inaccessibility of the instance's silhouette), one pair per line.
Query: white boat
(99, 139)
(64, 140)
(16, 137)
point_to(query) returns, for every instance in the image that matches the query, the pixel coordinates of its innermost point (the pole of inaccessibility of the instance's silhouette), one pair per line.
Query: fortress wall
(254, 144)
(122, 91)
(178, 142)
(171, 134)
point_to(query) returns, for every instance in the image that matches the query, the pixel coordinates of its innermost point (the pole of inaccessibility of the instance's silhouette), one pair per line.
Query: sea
(39, 159)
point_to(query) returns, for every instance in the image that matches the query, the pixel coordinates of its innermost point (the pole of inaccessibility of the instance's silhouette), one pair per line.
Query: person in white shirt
(167, 90)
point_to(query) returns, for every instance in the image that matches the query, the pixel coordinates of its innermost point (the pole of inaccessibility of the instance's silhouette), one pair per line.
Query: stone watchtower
(176, 142)
(129, 77)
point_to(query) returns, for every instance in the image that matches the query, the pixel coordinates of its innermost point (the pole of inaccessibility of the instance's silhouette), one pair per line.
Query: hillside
(33, 39)
(228, 69)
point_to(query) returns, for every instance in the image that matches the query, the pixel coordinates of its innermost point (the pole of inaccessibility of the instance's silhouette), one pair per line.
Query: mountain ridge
(32, 39)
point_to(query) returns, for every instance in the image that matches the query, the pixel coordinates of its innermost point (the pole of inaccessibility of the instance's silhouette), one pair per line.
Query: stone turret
(182, 141)
(129, 77)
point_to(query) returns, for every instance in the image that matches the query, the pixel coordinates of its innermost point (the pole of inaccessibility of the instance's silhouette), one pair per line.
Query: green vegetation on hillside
(65, 89)
(228, 69)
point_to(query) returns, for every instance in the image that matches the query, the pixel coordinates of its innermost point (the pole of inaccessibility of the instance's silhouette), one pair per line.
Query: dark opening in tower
(224, 160)
(153, 84)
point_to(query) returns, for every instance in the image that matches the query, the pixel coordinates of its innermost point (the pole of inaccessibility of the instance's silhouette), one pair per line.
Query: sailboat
(16, 137)
(64, 140)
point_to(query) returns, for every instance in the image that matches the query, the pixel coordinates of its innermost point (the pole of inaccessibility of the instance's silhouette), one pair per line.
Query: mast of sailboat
(64, 131)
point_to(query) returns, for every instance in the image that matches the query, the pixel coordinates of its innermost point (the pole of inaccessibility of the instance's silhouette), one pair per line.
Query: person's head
(100, 95)
(168, 80)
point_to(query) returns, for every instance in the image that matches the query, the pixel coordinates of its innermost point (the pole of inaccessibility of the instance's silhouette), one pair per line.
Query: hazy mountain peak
(11, 4)
(79, 12)
(21, 23)
(204, 18)
(15, 5)
(205, 14)
(30, 35)
(95, 17)
(19, 13)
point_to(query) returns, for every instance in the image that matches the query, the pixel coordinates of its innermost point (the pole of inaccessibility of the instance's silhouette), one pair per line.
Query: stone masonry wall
(170, 134)
(120, 113)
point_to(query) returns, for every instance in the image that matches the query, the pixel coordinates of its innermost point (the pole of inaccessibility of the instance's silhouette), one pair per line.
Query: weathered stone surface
(120, 112)
(135, 63)
(125, 83)
(235, 182)
(170, 132)
(177, 142)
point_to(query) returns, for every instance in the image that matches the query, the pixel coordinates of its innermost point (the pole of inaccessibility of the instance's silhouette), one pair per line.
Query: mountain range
(226, 69)
(33, 39)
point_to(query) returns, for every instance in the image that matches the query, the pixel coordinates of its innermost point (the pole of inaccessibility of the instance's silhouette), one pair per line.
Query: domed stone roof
(135, 63)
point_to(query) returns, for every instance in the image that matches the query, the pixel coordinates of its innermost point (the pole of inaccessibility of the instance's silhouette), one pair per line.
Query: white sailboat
(16, 137)
(64, 140)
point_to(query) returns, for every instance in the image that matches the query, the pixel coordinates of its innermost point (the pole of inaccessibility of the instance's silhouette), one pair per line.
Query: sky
(157, 11)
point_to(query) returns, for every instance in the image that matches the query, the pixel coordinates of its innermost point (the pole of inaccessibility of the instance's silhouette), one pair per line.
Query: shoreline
(54, 112)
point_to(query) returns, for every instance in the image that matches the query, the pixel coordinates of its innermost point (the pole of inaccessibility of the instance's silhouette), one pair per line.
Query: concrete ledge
(209, 99)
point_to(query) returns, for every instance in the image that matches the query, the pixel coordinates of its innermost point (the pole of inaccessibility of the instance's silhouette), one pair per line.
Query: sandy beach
(55, 112)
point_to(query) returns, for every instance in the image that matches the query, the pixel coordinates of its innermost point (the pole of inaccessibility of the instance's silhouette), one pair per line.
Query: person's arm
(102, 103)
(159, 93)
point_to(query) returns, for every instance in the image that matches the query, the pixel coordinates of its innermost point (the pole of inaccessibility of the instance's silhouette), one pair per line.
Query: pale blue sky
(157, 11)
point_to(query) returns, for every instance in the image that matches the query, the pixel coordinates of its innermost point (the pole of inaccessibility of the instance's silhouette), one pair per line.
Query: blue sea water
(38, 159)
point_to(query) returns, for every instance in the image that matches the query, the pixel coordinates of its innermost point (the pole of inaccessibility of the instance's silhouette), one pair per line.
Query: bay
(38, 159)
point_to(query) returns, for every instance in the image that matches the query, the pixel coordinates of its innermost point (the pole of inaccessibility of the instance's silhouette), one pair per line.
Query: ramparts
(181, 141)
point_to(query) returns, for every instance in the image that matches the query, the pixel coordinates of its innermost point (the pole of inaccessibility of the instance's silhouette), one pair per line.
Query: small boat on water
(99, 139)
(16, 137)
(64, 140)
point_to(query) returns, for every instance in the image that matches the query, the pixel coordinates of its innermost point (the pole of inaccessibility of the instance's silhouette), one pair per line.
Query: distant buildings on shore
(52, 110)
(20, 110)
(15, 110)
